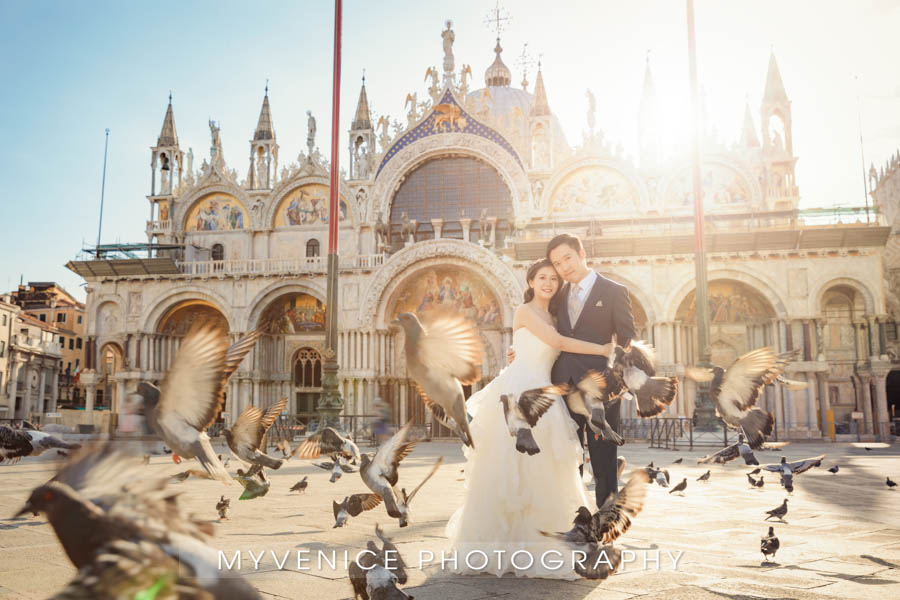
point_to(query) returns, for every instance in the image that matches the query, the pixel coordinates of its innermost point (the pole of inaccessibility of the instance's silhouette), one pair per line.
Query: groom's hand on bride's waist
(510, 355)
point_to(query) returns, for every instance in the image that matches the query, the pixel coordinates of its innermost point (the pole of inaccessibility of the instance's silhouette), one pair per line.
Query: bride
(510, 496)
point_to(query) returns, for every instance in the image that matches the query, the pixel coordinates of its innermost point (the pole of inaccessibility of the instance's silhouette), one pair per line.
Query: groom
(591, 308)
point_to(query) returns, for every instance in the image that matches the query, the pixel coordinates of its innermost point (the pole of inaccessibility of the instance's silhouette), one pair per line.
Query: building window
(78, 344)
(62, 342)
(79, 319)
(42, 317)
(68, 368)
(218, 252)
(2, 348)
(4, 319)
(312, 248)
(890, 331)
(61, 317)
(71, 343)
(77, 360)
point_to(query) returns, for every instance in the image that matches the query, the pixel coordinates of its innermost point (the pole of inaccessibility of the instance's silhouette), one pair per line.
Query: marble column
(867, 403)
(120, 397)
(884, 420)
(466, 225)
(438, 225)
(781, 411)
(813, 403)
(90, 393)
(824, 404)
(55, 397)
(404, 402)
(872, 329)
(41, 391)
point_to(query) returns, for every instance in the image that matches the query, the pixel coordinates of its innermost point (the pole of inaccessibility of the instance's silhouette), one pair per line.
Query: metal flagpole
(703, 410)
(331, 403)
(102, 191)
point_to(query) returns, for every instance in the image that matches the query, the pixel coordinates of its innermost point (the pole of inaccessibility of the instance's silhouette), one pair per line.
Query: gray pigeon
(222, 507)
(788, 470)
(731, 452)
(16, 443)
(328, 441)
(769, 544)
(736, 390)
(381, 584)
(100, 498)
(245, 436)
(360, 567)
(705, 477)
(680, 487)
(405, 498)
(778, 512)
(636, 367)
(442, 355)
(300, 486)
(379, 472)
(191, 396)
(522, 413)
(583, 537)
(391, 555)
(352, 506)
(588, 398)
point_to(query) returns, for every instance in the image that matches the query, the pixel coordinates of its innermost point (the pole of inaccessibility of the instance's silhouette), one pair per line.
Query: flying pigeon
(680, 487)
(359, 568)
(661, 476)
(769, 544)
(246, 435)
(704, 477)
(104, 511)
(405, 498)
(327, 441)
(379, 471)
(788, 470)
(635, 367)
(300, 486)
(736, 390)
(285, 447)
(352, 506)
(222, 507)
(588, 398)
(729, 453)
(833, 470)
(253, 488)
(16, 443)
(442, 355)
(613, 518)
(677, 461)
(583, 537)
(337, 466)
(522, 413)
(183, 476)
(191, 396)
(891, 484)
(778, 512)
(755, 471)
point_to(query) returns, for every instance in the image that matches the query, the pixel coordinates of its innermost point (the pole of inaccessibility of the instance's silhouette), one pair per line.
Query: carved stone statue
(592, 110)
(190, 166)
(381, 233)
(262, 172)
(310, 132)
(215, 150)
(408, 229)
(484, 228)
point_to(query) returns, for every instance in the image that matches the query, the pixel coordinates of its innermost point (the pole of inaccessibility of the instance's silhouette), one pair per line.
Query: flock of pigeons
(130, 536)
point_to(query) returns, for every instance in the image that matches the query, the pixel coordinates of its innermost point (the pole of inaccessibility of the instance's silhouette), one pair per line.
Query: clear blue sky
(71, 69)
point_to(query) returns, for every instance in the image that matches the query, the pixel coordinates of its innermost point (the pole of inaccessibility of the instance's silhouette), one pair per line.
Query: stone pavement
(841, 539)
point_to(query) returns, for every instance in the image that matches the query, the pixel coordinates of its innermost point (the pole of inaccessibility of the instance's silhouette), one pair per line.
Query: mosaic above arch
(594, 188)
(723, 187)
(295, 313)
(308, 205)
(729, 302)
(217, 212)
(447, 288)
(447, 116)
(183, 316)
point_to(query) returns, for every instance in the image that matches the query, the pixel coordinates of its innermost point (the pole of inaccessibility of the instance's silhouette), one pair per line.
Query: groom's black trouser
(602, 453)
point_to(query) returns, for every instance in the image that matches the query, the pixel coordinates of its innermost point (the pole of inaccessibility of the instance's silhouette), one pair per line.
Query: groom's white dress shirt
(578, 294)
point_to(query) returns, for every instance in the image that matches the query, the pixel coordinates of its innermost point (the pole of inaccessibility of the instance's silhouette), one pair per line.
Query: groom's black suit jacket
(606, 311)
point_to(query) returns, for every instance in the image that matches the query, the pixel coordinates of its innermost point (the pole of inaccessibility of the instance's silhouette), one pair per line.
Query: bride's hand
(510, 355)
(609, 348)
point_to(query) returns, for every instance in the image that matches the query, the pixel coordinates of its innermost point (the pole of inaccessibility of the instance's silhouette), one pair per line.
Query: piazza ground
(841, 540)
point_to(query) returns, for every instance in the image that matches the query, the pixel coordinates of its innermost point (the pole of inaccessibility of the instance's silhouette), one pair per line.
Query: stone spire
(362, 120)
(748, 133)
(648, 123)
(498, 74)
(167, 136)
(649, 105)
(774, 86)
(264, 128)
(539, 106)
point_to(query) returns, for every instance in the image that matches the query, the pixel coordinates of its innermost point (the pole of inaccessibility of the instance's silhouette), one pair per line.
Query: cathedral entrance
(893, 398)
(307, 382)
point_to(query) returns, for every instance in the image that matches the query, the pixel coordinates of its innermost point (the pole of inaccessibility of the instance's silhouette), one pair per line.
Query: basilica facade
(448, 209)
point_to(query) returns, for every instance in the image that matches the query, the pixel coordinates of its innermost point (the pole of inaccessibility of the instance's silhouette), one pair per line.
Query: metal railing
(274, 266)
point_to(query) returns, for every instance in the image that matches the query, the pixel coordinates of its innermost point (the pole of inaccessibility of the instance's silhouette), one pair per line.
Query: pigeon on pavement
(300, 486)
(769, 544)
(222, 507)
(778, 512)
(442, 355)
(833, 470)
(891, 485)
(680, 487)
(704, 477)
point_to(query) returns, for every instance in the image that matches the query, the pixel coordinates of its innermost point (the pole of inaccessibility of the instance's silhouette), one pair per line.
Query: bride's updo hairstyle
(529, 278)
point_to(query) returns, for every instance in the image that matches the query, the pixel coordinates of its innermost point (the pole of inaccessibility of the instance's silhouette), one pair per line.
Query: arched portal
(306, 380)
(180, 318)
(111, 361)
(740, 320)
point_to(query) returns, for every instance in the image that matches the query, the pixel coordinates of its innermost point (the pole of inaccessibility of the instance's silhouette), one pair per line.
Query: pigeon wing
(14, 443)
(436, 409)
(431, 473)
(389, 455)
(614, 517)
(534, 403)
(451, 345)
(726, 454)
(781, 363)
(802, 466)
(327, 441)
(792, 384)
(247, 430)
(191, 391)
(594, 384)
(642, 356)
(362, 502)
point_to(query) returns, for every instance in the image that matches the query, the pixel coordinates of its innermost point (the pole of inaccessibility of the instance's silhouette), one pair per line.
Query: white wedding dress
(510, 496)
